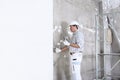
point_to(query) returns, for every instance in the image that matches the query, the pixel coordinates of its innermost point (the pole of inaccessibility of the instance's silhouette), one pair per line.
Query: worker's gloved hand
(65, 42)
(57, 50)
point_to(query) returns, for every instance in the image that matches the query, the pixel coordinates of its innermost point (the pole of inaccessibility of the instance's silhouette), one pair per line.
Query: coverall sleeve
(80, 40)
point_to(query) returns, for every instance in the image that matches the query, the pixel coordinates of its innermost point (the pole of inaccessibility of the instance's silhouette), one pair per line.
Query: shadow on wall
(65, 30)
(59, 32)
(61, 63)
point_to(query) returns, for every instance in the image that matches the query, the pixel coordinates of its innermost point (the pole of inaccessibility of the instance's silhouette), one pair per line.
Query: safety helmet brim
(74, 23)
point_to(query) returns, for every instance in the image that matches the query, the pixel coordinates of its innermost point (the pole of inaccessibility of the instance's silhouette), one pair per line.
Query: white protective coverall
(76, 55)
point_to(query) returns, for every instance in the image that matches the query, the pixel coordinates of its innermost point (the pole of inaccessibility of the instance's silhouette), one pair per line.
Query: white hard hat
(74, 23)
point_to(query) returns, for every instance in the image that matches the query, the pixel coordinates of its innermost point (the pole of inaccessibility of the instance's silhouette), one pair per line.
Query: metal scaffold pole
(107, 54)
(96, 45)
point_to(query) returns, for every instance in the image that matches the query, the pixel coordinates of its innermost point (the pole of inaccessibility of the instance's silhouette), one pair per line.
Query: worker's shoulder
(79, 33)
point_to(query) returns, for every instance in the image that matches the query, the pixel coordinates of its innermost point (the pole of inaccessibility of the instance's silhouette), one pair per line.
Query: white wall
(26, 40)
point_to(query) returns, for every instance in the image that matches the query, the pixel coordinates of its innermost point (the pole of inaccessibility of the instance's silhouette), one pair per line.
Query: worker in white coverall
(76, 47)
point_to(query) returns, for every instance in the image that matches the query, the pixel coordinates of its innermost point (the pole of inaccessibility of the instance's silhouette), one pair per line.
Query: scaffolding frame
(97, 47)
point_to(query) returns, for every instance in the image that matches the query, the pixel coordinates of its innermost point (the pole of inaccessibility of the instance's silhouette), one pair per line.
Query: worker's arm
(58, 50)
(79, 41)
(74, 45)
(64, 48)
(71, 44)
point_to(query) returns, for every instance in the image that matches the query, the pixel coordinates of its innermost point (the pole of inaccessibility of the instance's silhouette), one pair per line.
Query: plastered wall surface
(64, 12)
(84, 12)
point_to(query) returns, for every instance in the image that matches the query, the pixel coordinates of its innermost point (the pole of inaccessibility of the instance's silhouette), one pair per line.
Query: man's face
(73, 28)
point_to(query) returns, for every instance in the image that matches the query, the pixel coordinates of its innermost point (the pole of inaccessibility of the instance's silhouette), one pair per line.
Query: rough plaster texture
(84, 12)
(110, 4)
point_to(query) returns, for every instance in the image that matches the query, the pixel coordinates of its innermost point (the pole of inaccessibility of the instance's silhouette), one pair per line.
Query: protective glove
(65, 42)
(57, 50)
